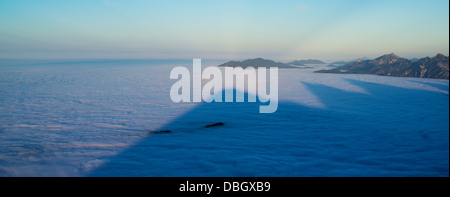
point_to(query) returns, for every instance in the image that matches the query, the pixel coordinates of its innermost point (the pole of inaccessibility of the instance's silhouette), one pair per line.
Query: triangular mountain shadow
(382, 134)
(440, 86)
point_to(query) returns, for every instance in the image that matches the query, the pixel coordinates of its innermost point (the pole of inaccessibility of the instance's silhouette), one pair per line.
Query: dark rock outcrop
(160, 132)
(215, 125)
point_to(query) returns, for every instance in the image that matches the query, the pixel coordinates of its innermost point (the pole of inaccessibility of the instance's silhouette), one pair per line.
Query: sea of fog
(94, 118)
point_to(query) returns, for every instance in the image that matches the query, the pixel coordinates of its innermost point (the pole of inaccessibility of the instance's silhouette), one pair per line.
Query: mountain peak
(386, 59)
(439, 55)
(393, 55)
(257, 61)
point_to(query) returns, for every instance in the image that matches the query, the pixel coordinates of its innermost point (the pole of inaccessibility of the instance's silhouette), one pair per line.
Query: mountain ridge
(436, 67)
(308, 61)
(257, 62)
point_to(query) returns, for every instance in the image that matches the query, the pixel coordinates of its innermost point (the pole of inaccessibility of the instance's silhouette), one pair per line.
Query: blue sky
(232, 29)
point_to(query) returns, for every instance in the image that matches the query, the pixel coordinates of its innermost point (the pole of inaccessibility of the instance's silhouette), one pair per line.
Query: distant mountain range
(258, 62)
(303, 62)
(392, 65)
(336, 64)
(339, 63)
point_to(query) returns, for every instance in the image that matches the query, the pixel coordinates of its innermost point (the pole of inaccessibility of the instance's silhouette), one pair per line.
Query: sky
(222, 29)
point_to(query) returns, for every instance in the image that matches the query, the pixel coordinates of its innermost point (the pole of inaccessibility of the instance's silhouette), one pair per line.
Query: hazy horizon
(207, 59)
(283, 31)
